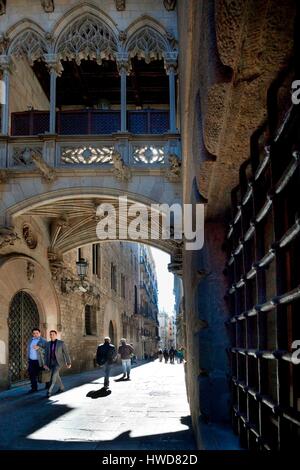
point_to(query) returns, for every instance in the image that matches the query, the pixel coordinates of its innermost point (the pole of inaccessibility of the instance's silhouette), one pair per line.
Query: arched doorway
(111, 333)
(23, 316)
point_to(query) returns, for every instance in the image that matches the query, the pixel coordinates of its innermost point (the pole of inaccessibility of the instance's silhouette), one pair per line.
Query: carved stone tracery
(148, 44)
(29, 44)
(87, 38)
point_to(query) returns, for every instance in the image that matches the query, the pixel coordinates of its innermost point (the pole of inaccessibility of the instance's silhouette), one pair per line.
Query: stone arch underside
(72, 219)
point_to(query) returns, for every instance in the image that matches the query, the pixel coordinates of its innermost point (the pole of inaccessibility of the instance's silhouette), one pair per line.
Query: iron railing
(90, 122)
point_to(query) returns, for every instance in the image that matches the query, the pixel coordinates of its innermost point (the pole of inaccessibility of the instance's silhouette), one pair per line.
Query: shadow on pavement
(102, 392)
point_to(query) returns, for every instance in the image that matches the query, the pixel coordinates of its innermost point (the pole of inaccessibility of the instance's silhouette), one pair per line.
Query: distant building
(163, 319)
(171, 339)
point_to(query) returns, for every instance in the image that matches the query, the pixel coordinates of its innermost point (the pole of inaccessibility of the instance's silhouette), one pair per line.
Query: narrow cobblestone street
(148, 412)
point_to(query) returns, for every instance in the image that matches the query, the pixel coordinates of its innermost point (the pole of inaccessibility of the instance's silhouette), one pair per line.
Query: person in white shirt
(35, 352)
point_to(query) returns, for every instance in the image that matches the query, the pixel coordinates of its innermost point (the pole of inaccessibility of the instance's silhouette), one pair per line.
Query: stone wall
(236, 49)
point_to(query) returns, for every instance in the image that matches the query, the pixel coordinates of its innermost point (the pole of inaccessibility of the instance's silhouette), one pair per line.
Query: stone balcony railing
(120, 150)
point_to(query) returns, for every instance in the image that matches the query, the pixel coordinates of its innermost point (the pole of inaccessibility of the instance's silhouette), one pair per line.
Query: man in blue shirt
(35, 353)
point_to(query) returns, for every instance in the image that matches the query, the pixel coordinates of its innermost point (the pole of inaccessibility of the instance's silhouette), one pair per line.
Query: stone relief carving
(30, 271)
(148, 44)
(170, 5)
(87, 38)
(56, 265)
(174, 172)
(175, 266)
(122, 36)
(121, 171)
(47, 172)
(2, 7)
(23, 156)
(48, 5)
(29, 236)
(4, 41)
(4, 176)
(120, 5)
(29, 44)
(7, 236)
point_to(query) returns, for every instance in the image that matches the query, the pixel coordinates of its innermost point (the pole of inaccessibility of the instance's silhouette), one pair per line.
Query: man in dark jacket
(57, 356)
(106, 355)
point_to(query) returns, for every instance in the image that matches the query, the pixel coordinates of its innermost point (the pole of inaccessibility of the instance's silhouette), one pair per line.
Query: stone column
(5, 68)
(55, 69)
(171, 69)
(123, 67)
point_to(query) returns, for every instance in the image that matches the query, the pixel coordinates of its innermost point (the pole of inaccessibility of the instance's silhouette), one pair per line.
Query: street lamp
(70, 284)
(82, 266)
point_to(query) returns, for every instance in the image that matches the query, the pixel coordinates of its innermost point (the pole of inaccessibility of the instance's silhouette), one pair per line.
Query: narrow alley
(149, 412)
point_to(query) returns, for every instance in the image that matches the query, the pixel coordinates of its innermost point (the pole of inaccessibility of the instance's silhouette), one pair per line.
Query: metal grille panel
(264, 293)
(23, 316)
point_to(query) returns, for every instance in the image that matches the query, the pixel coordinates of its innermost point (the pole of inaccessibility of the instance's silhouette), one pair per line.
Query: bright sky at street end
(165, 281)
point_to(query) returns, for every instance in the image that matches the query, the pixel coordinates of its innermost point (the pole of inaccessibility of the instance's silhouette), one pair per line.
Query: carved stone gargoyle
(174, 171)
(47, 172)
(169, 4)
(48, 5)
(120, 5)
(121, 171)
(4, 175)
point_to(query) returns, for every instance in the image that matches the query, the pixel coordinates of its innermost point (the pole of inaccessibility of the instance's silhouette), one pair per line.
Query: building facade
(163, 319)
(148, 302)
(92, 108)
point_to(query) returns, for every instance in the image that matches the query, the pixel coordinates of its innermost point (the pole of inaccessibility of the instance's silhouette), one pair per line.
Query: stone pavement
(150, 412)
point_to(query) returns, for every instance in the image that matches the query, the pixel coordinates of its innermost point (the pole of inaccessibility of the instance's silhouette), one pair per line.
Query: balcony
(90, 122)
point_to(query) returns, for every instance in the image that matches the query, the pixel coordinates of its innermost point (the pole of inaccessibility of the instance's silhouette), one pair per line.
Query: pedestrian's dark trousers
(33, 371)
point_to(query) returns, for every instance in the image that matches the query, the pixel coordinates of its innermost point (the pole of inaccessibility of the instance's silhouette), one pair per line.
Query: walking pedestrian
(106, 355)
(125, 351)
(172, 353)
(166, 355)
(57, 356)
(160, 355)
(35, 352)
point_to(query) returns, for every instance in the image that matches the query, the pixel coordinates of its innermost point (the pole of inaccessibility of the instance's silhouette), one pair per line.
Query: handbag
(44, 376)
